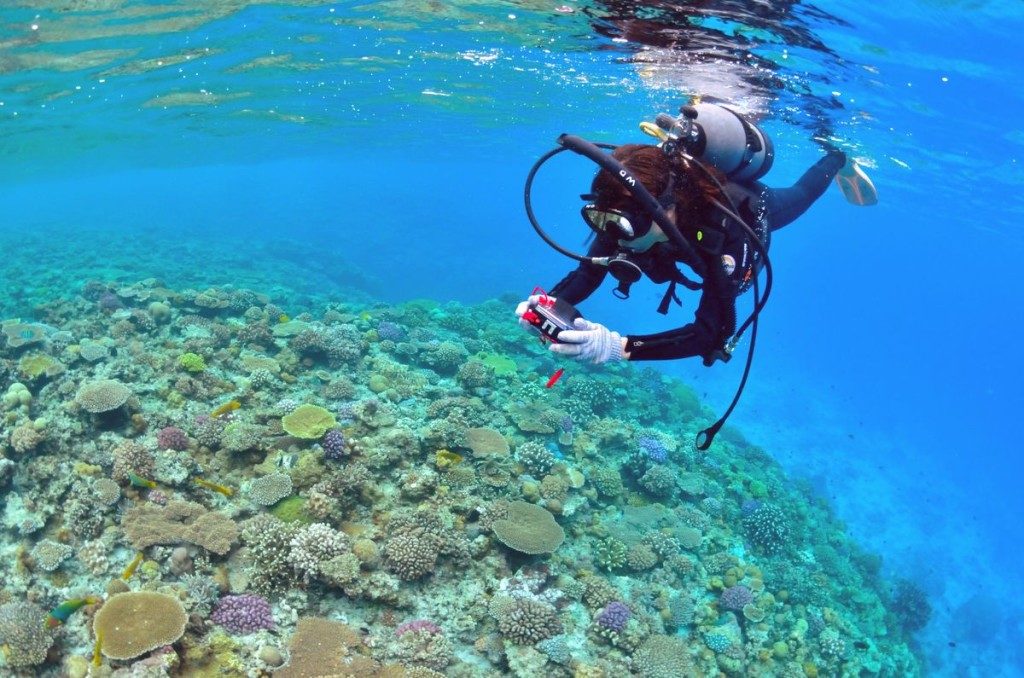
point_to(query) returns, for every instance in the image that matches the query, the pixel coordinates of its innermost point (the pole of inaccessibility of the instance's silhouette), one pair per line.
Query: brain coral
(309, 422)
(132, 623)
(102, 396)
(529, 528)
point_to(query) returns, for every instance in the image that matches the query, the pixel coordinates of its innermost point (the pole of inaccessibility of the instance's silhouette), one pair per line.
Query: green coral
(501, 364)
(291, 510)
(191, 362)
(309, 422)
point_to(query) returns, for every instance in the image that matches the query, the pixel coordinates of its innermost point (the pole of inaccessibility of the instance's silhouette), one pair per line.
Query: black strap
(670, 293)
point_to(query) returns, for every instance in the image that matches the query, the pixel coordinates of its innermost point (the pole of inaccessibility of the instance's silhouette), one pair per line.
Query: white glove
(589, 342)
(523, 307)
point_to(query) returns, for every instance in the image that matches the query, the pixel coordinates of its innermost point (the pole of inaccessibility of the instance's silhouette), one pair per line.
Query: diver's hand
(524, 306)
(589, 342)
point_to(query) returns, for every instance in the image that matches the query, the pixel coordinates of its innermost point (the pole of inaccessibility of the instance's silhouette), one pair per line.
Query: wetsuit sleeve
(783, 205)
(587, 277)
(714, 323)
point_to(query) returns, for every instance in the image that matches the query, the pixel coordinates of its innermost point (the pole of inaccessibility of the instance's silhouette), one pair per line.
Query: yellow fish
(223, 489)
(229, 406)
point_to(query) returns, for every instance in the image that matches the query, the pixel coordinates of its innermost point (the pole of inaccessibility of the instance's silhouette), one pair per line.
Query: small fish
(447, 458)
(860, 645)
(60, 614)
(283, 318)
(229, 406)
(138, 481)
(555, 377)
(287, 460)
(97, 658)
(132, 566)
(223, 489)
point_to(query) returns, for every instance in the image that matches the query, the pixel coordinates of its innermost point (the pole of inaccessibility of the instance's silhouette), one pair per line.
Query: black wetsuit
(764, 209)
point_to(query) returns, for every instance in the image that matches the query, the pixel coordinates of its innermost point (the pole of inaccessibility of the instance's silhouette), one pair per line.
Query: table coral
(178, 521)
(135, 622)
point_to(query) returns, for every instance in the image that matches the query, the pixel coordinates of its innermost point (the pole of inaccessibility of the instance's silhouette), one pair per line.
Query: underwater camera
(549, 316)
(722, 138)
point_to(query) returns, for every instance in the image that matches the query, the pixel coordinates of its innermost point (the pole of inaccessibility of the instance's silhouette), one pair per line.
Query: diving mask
(617, 223)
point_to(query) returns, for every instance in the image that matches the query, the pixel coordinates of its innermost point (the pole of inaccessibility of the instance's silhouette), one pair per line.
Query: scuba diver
(694, 199)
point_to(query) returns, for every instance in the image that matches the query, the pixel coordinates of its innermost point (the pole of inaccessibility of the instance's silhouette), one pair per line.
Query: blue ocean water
(380, 148)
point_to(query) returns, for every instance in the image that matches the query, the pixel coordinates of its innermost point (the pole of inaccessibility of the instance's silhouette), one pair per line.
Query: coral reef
(382, 490)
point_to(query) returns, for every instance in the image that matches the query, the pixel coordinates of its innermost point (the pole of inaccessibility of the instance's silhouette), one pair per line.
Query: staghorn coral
(177, 522)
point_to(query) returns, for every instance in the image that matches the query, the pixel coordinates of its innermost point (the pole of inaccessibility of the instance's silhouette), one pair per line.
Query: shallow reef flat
(207, 483)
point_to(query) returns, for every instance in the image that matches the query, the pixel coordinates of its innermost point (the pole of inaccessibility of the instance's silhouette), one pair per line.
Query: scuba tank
(720, 137)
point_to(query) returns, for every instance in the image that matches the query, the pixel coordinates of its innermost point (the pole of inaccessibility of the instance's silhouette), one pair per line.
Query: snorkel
(677, 142)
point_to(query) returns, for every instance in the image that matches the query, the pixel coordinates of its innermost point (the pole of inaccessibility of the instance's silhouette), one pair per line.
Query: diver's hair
(692, 192)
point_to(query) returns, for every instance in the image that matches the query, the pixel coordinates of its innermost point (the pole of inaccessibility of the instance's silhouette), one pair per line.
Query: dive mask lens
(603, 220)
(622, 224)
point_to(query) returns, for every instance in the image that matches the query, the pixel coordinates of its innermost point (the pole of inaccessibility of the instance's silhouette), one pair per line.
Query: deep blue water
(887, 371)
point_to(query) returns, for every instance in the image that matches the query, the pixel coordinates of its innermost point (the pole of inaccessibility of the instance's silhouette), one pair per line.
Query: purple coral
(654, 448)
(735, 598)
(109, 302)
(171, 438)
(242, 614)
(614, 616)
(390, 331)
(565, 423)
(334, 446)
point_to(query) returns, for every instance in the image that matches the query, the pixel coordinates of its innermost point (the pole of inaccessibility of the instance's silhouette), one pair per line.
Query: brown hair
(649, 164)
